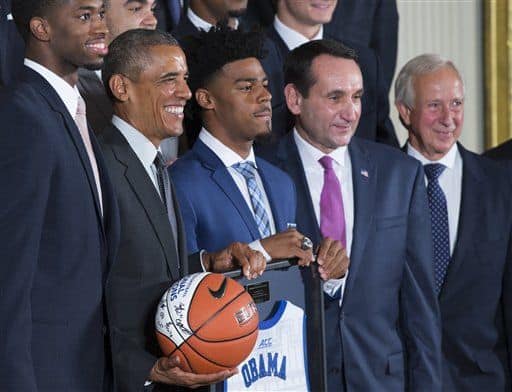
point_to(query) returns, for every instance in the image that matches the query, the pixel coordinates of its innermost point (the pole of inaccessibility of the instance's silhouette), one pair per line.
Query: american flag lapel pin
(364, 173)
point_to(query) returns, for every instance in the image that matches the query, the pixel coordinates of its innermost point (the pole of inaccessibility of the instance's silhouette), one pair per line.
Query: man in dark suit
(145, 73)
(501, 152)
(224, 192)
(370, 23)
(11, 46)
(59, 221)
(382, 320)
(470, 198)
(297, 22)
(121, 16)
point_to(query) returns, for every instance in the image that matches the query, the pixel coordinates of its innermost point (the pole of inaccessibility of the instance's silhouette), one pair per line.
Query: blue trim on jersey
(274, 319)
(305, 348)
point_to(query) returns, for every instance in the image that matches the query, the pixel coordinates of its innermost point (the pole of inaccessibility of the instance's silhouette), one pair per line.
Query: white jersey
(278, 361)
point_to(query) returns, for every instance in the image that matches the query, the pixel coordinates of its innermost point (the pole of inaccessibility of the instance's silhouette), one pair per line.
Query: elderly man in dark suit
(382, 318)
(145, 74)
(470, 199)
(59, 221)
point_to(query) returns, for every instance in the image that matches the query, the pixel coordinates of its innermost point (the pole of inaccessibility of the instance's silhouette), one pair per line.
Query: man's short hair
(419, 65)
(297, 66)
(24, 10)
(128, 54)
(208, 52)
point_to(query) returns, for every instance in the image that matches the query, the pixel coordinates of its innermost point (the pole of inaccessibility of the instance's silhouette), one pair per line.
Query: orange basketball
(209, 321)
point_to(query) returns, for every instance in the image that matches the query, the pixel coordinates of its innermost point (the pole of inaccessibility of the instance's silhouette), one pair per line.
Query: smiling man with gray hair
(470, 199)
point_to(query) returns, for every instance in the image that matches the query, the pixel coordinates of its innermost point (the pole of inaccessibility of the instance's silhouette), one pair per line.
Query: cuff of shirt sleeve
(334, 287)
(256, 245)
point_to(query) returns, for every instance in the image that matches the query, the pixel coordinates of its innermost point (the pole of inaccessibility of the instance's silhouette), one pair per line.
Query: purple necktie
(332, 216)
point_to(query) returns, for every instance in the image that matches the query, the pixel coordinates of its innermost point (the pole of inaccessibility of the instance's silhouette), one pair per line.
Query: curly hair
(209, 51)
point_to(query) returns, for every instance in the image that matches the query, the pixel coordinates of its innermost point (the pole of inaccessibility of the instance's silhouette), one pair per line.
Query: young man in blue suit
(219, 203)
(382, 319)
(470, 198)
(59, 221)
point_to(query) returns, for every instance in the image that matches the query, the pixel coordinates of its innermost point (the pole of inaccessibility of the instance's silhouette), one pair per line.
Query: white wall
(452, 28)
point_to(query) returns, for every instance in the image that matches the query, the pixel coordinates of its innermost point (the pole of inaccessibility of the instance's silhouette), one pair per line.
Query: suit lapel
(364, 199)
(88, 82)
(58, 106)
(144, 189)
(469, 215)
(223, 179)
(268, 184)
(290, 161)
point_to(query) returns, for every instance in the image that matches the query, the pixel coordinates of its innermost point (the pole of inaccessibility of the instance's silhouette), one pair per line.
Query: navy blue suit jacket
(213, 209)
(386, 335)
(476, 297)
(374, 124)
(56, 249)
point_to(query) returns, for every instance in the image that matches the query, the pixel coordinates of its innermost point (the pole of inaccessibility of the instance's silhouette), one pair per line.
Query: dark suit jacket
(147, 263)
(214, 211)
(57, 247)
(501, 152)
(374, 124)
(476, 298)
(11, 47)
(370, 23)
(99, 106)
(386, 335)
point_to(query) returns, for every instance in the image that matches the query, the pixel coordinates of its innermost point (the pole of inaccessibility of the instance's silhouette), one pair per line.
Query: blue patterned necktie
(439, 218)
(248, 170)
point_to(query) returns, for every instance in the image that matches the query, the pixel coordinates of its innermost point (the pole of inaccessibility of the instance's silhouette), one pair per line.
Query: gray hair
(419, 65)
(128, 54)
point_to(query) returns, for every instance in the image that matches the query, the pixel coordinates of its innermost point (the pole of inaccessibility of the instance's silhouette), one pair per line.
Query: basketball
(209, 321)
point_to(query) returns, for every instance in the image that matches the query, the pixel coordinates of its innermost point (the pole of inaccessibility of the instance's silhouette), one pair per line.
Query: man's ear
(118, 87)
(40, 28)
(404, 112)
(293, 98)
(205, 99)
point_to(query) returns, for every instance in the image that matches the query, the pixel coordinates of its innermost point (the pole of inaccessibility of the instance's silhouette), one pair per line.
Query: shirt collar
(448, 160)
(140, 144)
(224, 153)
(293, 38)
(200, 23)
(67, 93)
(311, 155)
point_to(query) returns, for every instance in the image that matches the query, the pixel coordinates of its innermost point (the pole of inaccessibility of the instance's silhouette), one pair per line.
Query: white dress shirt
(314, 173)
(230, 158)
(200, 23)
(450, 182)
(292, 38)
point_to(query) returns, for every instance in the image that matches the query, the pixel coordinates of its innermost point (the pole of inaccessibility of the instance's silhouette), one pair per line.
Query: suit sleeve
(385, 129)
(25, 186)
(384, 39)
(419, 308)
(507, 302)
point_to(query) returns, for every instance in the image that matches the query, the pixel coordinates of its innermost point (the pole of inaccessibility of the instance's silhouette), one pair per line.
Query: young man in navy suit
(470, 198)
(59, 221)
(382, 318)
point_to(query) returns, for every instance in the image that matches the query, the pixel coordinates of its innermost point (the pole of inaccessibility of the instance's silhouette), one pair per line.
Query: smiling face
(154, 102)
(124, 15)
(435, 121)
(327, 118)
(237, 103)
(308, 12)
(76, 35)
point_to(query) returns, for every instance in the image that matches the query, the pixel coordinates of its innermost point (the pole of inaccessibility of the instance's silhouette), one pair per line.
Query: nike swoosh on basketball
(219, 293)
